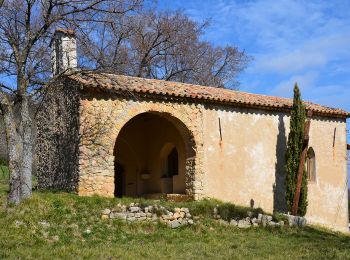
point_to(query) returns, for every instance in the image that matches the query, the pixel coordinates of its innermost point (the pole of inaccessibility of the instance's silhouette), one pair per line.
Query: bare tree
(26, 28)
(164, 46)
(114, 35)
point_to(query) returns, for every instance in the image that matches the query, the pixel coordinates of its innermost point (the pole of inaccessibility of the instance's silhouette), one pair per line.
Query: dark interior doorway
(151, 154)
(173, 163)
(118, 180)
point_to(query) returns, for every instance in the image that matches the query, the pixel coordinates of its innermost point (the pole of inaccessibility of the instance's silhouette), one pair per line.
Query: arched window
(173, 163)
(311, 165)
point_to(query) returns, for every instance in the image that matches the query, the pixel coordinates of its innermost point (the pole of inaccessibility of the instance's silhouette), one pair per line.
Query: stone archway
(142, 148)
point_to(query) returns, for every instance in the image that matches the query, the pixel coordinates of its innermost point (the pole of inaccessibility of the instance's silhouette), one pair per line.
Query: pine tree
(294, 150)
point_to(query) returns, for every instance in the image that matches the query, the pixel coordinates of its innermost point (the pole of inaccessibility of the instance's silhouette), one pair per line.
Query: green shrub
(227, 211)
(3, 162)
(278, 217)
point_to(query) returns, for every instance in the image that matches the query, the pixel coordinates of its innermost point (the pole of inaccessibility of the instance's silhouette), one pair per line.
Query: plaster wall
(246, 164)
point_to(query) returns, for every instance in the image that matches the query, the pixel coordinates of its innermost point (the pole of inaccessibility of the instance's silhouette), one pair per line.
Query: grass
(70, 217)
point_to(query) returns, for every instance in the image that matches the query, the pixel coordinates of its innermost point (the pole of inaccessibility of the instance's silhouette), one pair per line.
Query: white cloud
(305, 82)
(285, 36)
(291, 41)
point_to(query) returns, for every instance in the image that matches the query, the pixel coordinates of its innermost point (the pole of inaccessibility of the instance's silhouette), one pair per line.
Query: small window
(173, 163)
(311, 165)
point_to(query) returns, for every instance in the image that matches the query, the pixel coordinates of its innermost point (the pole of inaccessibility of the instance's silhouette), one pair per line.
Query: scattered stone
(281, 223)
(243, 223)
(120, 215)
(177, 210)
(105, 217)
(190, 222)
(134, 209)
(106, 211)
(88, 231)
(296, 221)
(272, 224)
(175, 224)
(186, 210)
(44, 224)
(233, 222)
(223, 222)
(265, 219)
(131, 219)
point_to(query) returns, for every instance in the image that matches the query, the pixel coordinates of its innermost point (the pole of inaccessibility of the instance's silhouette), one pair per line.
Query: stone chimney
(64, 51)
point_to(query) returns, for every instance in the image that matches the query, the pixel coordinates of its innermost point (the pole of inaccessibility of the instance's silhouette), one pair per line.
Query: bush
(3, 162)
(229, 211)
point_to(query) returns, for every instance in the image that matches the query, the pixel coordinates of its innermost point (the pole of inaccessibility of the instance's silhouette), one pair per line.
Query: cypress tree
(294, 150)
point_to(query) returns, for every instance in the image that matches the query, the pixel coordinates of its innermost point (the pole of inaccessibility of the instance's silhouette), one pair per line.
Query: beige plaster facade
(232, 154)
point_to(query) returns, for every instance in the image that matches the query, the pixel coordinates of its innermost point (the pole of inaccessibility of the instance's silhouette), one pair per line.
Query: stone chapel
(113, 135)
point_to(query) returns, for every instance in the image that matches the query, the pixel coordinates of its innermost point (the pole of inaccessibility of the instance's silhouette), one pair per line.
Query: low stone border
(134, 212)
(182, 217)
(262, 220)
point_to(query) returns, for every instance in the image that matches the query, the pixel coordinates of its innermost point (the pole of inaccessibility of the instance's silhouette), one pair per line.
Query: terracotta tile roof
(65, 31)
(202, 94)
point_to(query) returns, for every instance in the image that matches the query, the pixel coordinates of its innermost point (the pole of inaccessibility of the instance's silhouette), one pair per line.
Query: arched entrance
(154, 153)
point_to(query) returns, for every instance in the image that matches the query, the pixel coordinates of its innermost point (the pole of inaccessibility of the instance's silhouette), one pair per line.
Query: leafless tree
(26, 27)
(164, 46)
(113, 35)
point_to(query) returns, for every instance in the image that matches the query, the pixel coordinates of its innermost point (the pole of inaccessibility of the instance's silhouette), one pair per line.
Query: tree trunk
(27, 152)
(14, 156)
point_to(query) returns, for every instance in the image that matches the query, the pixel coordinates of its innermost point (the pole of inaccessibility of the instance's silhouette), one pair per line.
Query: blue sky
(307, 42)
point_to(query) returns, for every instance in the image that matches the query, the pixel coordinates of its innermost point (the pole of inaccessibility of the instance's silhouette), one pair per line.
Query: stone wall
(96, 149)
(58, 138)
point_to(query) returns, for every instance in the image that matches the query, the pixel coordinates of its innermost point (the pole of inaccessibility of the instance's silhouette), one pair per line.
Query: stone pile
(261, 220)
(154, 213)
(180, 217)
(249, 221)
(295, 221)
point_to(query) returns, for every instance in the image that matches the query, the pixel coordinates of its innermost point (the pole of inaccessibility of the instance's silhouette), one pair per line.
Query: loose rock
(233, 222)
